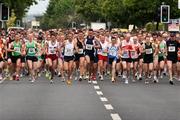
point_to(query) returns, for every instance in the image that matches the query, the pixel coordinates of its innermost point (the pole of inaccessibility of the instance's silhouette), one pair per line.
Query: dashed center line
(99, 92)
(116, 117)
(96, 87)
(103, 99)
(108, 106)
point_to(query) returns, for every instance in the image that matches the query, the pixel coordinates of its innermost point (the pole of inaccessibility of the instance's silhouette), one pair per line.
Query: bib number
(31, 50)
(89, 47)
(68, 52)
(16, 49)
(171, 49)
(126, 54)
(149, 51)
(80, 51)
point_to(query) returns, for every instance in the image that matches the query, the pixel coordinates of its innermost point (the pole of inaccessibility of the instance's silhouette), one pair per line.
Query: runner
(134, 53)
(69, 47)
(80, 57)
(102, 57)
(126, 47)
(89, 54)
(31, 47)
(16, 55)
(161, 55)
(51, 55)
(113, 52)
(148, 58)
(172, 49)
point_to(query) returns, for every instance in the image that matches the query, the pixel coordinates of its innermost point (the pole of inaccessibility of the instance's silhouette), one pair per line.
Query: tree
(12, 19)
(20, 7)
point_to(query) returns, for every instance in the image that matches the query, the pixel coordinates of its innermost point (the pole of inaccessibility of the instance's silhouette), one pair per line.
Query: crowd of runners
(90, 55)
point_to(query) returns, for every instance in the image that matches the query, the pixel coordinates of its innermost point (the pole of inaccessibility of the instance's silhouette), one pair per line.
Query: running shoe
(89, 81)
(17, 78)
(112, 80)
(69, 82)
(126, 81)
(171, 82)
(80, 78)
(51, 81)
(101, 78)
(59, 74)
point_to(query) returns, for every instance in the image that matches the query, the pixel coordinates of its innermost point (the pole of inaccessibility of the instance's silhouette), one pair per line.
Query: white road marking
(96, 87)
(108, 106)
(94, 82)
(116, 117)
(99, 92)
(103, 99)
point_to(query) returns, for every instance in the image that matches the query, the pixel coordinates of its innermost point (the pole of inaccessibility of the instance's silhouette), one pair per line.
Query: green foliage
(59, 14)
(20, 7)
(120, 12)
(152, 27)
(12, 19)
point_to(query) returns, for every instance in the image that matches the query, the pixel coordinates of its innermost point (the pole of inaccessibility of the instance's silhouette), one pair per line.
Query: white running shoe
(101, 78)
(126, 81)
(89, 81)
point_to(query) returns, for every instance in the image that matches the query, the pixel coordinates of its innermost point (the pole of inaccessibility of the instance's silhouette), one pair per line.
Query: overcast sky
(39, 8)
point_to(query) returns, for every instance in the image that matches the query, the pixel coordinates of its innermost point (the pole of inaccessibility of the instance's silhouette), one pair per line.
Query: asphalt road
(21, 100)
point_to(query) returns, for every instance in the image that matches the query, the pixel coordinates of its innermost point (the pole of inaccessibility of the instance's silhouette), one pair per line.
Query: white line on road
(99, 92)
(96, 87)
(116, 117)
(103, 99)
(108, 106)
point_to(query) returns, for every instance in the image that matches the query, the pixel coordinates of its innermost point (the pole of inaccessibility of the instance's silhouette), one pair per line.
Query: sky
(39, 8)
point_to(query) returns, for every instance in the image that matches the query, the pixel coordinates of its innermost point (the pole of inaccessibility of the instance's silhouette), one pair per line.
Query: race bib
(17, 49)
(171, 49)
(31, 50)
(112, 53)
(68, 52)
(52, 51)
(89, 47)
(104, 54)
(149, 51)
(80, 51)
(126, 54)
(133, 54)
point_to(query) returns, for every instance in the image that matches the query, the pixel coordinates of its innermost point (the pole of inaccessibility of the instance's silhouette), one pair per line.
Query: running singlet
(126, 48)
(69, 49)
(89, 43)
(134, 53)
(80, 47)
(52, 47)
(162, 47)
(172, 49)
(17, 49)
(113, 51)
(31, 48)
(104, 47)
(149, 50)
